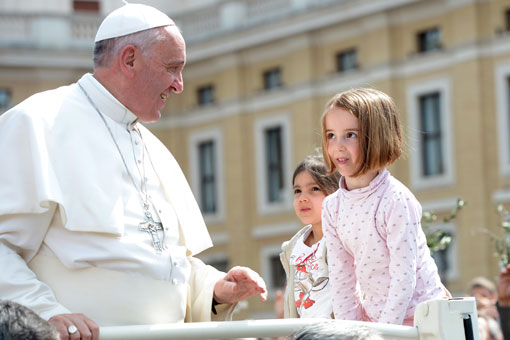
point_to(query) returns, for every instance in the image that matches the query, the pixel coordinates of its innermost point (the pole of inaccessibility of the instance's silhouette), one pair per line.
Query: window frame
(502, 93)
(199, 93)
(8, 101)
(79, 6)
(343, 53)
(414, 93)
(195, 140)
(440, 207)
(421, 42)
(266, 76)
(266, 253)
(261, 125)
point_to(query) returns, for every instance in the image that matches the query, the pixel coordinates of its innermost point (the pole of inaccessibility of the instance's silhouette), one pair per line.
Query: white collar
(106, 102)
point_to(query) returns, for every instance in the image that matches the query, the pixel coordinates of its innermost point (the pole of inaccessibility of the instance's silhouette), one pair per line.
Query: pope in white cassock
(98, 226)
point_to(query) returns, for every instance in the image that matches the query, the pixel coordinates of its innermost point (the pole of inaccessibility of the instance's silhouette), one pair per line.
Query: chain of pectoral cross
(149, 225)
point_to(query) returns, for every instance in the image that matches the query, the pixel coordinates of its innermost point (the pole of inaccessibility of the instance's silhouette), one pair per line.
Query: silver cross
(152, 227)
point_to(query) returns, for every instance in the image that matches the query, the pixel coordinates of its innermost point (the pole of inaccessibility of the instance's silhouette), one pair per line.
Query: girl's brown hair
(380, 134)
(314, 164)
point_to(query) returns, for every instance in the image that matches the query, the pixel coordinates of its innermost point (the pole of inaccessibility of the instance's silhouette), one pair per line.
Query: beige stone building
(258, 75)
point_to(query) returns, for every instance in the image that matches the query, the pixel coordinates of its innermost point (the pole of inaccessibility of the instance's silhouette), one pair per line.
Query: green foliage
(438, 239)
(503, 243)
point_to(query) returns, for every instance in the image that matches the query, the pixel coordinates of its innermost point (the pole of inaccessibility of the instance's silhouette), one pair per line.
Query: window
(86, 6)
(429, 40)
(207, 173)
(220, 263)
(272, 79)
(446, 260)
(277, 271)
(273, 163)
(502, 73)
(430, 134)
(207, 176)
(5, 100)
(507, 20)
(430, 131)
(347, 60)
(271, 267)
(205, 95)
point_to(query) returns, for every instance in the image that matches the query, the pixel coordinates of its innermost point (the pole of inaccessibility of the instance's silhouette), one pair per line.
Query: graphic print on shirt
(308, 279)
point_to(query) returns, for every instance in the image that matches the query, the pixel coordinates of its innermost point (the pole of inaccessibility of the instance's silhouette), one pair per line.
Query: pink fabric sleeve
(402, 225)
(345, 295)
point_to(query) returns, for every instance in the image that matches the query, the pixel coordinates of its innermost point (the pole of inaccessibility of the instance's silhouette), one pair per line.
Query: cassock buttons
(176, 264)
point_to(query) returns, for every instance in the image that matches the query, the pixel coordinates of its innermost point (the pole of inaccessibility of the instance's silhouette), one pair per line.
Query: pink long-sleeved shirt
(379, 262)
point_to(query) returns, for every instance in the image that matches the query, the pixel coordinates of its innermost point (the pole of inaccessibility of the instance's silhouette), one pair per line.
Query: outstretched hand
(240, 283)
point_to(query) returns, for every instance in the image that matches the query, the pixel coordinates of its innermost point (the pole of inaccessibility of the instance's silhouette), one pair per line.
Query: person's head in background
(331, 330)
(18, 322)
(484, 292)
(311, 184)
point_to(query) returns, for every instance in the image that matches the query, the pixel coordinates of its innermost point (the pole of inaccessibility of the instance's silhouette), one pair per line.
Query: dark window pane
(205, 95)
(507, 20)
(272, 79)
(277, 271)
(347, 60)
(273, 141)
(431, 137)
(5, 99)
(220, 264)
(429, 40)
(207, 176)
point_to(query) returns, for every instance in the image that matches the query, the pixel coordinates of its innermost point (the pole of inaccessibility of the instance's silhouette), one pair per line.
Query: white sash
(112, 298)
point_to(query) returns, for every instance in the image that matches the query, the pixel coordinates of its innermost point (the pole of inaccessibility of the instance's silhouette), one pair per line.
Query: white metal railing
(453, 319)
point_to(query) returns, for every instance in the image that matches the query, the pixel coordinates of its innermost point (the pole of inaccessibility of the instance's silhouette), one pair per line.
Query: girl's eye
(330, 135)
(351, 135)
(316, 189)
(297, 191)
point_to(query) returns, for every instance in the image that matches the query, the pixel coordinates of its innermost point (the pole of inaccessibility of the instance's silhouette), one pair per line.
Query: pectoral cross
(152, 227)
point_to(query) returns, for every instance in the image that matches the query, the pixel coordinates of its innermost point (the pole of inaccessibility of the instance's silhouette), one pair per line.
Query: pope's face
(159, 75)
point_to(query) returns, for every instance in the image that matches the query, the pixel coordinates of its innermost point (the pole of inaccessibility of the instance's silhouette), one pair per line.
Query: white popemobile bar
(453, 319)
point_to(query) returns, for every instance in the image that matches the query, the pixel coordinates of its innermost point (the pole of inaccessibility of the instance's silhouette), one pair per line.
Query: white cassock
(69, 209)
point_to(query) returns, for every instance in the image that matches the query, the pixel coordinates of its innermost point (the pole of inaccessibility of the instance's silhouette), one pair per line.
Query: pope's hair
(106, 50)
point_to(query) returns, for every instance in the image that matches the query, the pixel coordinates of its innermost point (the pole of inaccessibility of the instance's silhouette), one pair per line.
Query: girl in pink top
(379, 264)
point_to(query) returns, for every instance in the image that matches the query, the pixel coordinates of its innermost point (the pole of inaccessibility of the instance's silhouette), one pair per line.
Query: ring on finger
(72, 329)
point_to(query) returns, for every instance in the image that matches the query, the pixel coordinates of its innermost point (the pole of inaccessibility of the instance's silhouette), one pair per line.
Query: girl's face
(308, 199)
(342, 129)
(342, 135)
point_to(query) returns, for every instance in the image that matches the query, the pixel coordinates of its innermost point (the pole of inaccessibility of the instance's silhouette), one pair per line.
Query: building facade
(258, 75)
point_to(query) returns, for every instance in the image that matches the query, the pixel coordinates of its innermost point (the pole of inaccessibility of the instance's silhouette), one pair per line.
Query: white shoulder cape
(55, 148)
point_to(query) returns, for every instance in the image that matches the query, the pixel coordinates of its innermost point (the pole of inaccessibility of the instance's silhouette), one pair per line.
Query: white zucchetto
(131, 18)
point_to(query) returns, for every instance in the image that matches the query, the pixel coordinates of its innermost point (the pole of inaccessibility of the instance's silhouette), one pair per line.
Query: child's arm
(403, 226)
(342, 276)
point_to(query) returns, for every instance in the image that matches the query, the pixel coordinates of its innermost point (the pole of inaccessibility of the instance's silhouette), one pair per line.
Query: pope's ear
(128, 56)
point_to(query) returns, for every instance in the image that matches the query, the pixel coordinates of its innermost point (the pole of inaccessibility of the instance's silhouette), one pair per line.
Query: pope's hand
(84, 328)
(240, 283)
